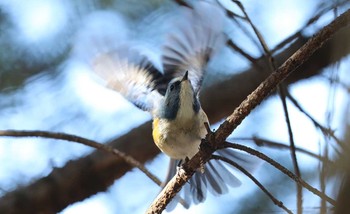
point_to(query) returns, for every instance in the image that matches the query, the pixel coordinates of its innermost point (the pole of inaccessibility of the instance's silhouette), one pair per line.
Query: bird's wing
(197, 33)
(130, 73)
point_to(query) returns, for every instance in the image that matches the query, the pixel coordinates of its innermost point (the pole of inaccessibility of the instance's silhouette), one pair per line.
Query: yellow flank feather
(155, 132)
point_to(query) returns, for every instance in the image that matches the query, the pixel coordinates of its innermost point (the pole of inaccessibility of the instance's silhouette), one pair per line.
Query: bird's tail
(216, 178)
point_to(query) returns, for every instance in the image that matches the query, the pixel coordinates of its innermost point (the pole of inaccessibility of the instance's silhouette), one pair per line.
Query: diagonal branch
(282, 90)
(54, 192)
(217, 139)
(266, 87)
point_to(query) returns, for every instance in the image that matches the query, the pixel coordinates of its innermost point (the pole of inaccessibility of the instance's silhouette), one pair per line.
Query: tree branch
(266, 87)
(76, 139)
(94, 173)
(281, 146)
(281, 168)
(282, 90)
(244, 171)
(217, 139)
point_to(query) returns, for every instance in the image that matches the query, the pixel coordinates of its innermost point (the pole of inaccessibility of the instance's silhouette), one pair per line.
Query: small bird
(171, 95)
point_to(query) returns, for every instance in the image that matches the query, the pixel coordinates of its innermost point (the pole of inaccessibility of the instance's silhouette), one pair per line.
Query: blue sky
(75, 103)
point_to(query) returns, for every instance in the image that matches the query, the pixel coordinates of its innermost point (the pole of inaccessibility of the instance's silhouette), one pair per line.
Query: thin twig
(281, 91)
(311, 21)
(280, 168)
(233, 15)
(338, 81)
(217, 139)
(256, 31)
(271, 144)
(325, 131)
(73, 138)
(251, 59)
(323, 174)
(182, 3)
(237, 166)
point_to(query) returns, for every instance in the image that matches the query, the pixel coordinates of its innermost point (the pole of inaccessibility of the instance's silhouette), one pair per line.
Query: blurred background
(45, 84)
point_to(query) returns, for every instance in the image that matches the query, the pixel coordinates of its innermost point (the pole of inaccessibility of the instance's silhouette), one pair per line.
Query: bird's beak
(185, 77)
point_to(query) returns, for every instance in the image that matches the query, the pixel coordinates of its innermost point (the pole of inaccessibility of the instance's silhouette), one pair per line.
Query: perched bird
(171, 94)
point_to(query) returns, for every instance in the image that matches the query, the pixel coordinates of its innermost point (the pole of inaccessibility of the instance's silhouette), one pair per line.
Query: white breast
(180, 139)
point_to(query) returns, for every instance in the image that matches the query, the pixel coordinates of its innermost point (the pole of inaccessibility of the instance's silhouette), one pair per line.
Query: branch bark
(217, 139)
(94, 173)
(76, 139)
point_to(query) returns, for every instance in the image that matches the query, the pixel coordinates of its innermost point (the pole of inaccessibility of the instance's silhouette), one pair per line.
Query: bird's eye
(172, 86)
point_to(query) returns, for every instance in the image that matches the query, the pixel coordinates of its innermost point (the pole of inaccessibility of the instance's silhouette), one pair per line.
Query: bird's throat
(186, 111)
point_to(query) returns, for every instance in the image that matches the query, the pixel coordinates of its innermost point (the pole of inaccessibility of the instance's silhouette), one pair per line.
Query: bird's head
(180, 99)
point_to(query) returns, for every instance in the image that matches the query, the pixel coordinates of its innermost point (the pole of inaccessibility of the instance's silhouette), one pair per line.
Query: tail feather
(216, 179)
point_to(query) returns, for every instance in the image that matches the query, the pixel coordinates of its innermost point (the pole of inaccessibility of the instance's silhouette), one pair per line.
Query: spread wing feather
(197, 33)
(131, 74)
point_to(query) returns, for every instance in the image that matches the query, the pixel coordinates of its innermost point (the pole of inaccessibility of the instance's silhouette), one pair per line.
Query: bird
(171, 94)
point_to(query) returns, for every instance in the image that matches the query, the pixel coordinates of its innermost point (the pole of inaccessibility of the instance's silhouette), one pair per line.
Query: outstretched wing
(131, 74)
(197, 33)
